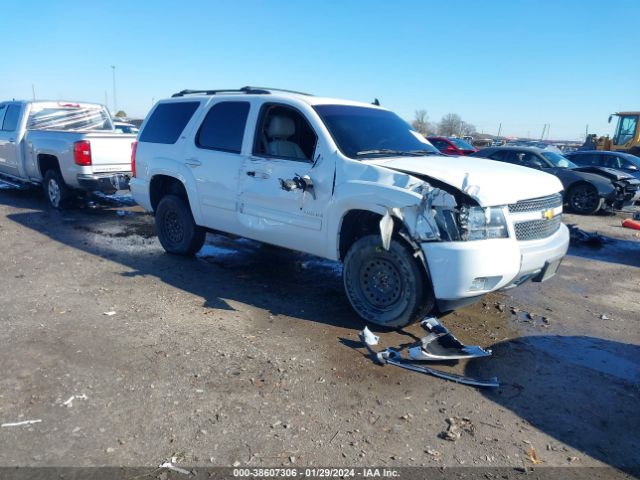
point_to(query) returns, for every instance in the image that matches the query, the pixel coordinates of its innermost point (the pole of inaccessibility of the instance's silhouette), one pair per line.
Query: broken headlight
(477, 223)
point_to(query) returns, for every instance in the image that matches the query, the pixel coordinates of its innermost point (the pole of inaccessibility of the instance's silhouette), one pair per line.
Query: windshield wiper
(424, 152)
(388, 151)
(381, 151)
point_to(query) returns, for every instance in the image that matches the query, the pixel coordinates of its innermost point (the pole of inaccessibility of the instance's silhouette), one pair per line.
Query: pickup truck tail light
(134, 147)
(82, 153)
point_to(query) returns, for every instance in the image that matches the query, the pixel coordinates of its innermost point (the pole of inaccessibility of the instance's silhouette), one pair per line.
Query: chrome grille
(537, 229)
(537, 204)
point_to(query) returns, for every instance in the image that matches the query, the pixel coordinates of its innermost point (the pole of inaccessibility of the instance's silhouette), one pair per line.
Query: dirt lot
(247, 356)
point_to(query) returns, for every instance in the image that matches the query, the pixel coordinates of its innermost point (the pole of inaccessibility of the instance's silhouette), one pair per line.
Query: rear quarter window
(167, 122)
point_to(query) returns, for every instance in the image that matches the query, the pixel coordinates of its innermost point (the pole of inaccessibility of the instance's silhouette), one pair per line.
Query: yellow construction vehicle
(625, 139)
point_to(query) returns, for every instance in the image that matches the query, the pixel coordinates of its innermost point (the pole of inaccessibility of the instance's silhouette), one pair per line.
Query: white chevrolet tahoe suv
(416, 230)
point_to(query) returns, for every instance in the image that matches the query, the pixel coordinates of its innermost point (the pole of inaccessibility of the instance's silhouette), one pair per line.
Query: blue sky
(522, 63)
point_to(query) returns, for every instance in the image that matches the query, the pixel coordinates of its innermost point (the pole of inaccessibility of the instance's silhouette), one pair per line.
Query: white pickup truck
(63, 146)
(416, 230)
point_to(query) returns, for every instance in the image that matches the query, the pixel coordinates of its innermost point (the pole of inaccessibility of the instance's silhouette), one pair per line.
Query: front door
(9, 141)
(273, 206)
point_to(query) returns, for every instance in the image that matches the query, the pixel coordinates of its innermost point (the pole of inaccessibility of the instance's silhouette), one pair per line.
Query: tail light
(134, 147)
(82, 153)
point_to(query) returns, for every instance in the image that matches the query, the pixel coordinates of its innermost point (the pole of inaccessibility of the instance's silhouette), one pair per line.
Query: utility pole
(33, 91)
(586, 132)
(115, 101)
(544, 128)
(548, 129)
(499, 129)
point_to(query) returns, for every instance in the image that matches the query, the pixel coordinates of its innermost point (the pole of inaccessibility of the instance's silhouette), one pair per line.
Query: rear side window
(11, 118)
(500, 155)
(223, 127)
(168, 121)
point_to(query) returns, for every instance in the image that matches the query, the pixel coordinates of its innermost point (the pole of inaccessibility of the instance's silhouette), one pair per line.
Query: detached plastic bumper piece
(438, 345)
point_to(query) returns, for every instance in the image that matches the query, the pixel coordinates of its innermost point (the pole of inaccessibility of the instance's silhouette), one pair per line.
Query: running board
(6, 181)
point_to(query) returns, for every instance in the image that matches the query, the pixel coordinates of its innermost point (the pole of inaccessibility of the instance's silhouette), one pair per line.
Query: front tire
(55, 189)
(386, 287)
(584, 199)
(177, 231)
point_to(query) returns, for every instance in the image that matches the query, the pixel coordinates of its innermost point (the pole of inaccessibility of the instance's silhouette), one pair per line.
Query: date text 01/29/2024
(315, 472)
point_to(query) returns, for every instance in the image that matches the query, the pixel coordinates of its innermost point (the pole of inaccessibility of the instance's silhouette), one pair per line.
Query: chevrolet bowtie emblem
(547, 214)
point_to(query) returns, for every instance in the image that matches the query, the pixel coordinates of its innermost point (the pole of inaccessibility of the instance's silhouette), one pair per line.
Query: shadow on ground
(583, 391)
(280, 281)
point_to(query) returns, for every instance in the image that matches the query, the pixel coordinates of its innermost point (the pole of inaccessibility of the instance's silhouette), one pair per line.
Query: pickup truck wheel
(177, 231)
(55, 189)
(584, 198)
(385, 287)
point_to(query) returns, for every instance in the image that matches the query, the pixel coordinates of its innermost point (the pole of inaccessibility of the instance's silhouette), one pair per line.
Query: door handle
(193, 162)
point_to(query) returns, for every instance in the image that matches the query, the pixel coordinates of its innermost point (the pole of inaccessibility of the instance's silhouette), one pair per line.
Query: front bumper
(104, 182)
(461, 272)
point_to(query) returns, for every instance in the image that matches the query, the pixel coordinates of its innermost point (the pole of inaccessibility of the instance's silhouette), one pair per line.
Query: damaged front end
(445, 214)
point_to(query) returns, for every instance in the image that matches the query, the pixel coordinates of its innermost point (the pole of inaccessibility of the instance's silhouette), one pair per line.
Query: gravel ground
(247, 355)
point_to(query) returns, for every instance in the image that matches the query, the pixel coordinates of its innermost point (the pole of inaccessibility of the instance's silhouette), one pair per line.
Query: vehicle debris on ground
(438, 345)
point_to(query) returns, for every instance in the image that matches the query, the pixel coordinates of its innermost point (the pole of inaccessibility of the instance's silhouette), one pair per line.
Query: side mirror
(450, 149)
(610, 118)
(298, 182)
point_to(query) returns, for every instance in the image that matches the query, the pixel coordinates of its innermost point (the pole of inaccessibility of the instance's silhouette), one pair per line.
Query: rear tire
(386, 287)
(55, 189)
(177, 231)
(584, 199)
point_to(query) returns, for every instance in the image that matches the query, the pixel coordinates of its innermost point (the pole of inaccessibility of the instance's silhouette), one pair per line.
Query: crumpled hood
(489, 182)
(610, 173)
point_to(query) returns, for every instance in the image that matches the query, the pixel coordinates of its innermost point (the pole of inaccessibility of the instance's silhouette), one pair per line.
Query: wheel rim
(381, 283)
(173, 227)
(54, 192)
(584, 198)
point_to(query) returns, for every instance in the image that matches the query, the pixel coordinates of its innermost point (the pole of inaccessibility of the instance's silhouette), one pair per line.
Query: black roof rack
(248, 90)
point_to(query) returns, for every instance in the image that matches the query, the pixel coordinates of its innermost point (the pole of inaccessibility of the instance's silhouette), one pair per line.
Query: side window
(168, 121)
(500, 155)
(3, 110)
(223, 127)
(284, 133)
(440, 144)
(612, 161)
(11, 118)
(626, 129)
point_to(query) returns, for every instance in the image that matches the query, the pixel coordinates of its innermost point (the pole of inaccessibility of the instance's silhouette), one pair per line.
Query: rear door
(10, 115)
(215, 156)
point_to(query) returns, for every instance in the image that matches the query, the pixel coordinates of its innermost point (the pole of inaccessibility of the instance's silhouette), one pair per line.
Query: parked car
(62, 146)
(346, 181)
(586, 189)
(125, 127)
(620, 161)
(452, 146)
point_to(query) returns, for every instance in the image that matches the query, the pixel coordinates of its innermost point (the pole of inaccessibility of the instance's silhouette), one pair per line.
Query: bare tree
(452, 124)
(421, 122)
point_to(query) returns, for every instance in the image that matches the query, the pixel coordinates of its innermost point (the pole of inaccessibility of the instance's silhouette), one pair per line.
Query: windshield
(558, 160)
(461, 144)
(362, 132)
(69, 117)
